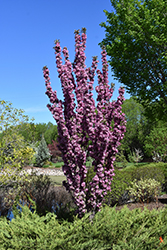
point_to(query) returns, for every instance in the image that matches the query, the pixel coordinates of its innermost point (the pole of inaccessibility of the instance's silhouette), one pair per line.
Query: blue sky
(28, 30)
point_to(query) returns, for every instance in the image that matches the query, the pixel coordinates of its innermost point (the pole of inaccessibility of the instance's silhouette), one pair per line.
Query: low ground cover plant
(109, 229)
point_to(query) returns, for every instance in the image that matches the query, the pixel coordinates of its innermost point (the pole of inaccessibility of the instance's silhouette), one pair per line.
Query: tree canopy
(137, 127)
(136, 42)
(14, 151)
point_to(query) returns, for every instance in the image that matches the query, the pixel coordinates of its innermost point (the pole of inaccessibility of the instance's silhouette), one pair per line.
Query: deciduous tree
(14, 151)
(136, 41)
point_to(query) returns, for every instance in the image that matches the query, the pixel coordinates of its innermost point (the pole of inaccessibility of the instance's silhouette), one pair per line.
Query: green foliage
(14, 151)
(156, 143)
(36, 131)
(110, 229)
(31, 188)
(144, 190)
(42, 154)
(49, 131)
(11, 117)
(28, 134)
(90, 174)
(38, 191)
(147, 172)
(119, 185)
(136, 156)
(136, 40)
(120, 160)
(122, 180)
(162, 167)
(137, 126)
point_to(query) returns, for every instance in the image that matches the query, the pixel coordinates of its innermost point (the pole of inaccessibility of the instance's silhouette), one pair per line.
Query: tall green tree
(51, 133)
(28, 134)
(136, 41)
(156, 143)
(48, 130)
(14, 151)
(137, 127)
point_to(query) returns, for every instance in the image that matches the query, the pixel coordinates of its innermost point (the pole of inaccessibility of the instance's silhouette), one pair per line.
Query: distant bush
(122, 179)
(38, 189)
(144, 190)
(163, 167)
(119, 185)
(42, 154)
(120, 160)
(149, 172)
(54, 151)
(156, 144)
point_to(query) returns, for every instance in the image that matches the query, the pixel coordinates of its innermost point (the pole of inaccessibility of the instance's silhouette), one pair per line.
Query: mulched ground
(162, 203)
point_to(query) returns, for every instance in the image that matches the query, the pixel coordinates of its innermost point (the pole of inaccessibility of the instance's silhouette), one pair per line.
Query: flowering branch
(84, 129)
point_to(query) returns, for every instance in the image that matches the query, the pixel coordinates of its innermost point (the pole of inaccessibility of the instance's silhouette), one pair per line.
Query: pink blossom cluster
(86, 129)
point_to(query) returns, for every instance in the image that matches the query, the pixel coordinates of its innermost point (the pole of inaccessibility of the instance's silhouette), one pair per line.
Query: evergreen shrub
(119, 185)
(163, 167)
(109, 229)
(43, 154)
(151, 171)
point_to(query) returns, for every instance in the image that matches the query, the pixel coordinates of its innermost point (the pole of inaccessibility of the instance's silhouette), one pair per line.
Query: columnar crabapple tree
(86, 129)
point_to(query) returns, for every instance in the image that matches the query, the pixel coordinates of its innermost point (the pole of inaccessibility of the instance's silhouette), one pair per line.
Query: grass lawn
(54, 165)
(132, 165)
(57, 180)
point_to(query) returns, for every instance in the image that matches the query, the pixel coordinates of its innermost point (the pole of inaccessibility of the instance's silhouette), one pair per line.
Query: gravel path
(44, 171)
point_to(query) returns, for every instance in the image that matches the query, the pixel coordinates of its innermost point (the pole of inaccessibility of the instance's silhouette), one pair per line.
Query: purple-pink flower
(85, 129)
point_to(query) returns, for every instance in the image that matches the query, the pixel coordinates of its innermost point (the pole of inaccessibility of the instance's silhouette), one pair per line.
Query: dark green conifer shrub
(110, 229)
(119, 185)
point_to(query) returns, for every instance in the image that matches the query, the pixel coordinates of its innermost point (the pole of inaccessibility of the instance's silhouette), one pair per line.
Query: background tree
(137, 127)
(42, 154)
(28, 134)
(136, 41)
(55, 153)
(14, 151)
(40, 130)
(49, 131)
(156, 143)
